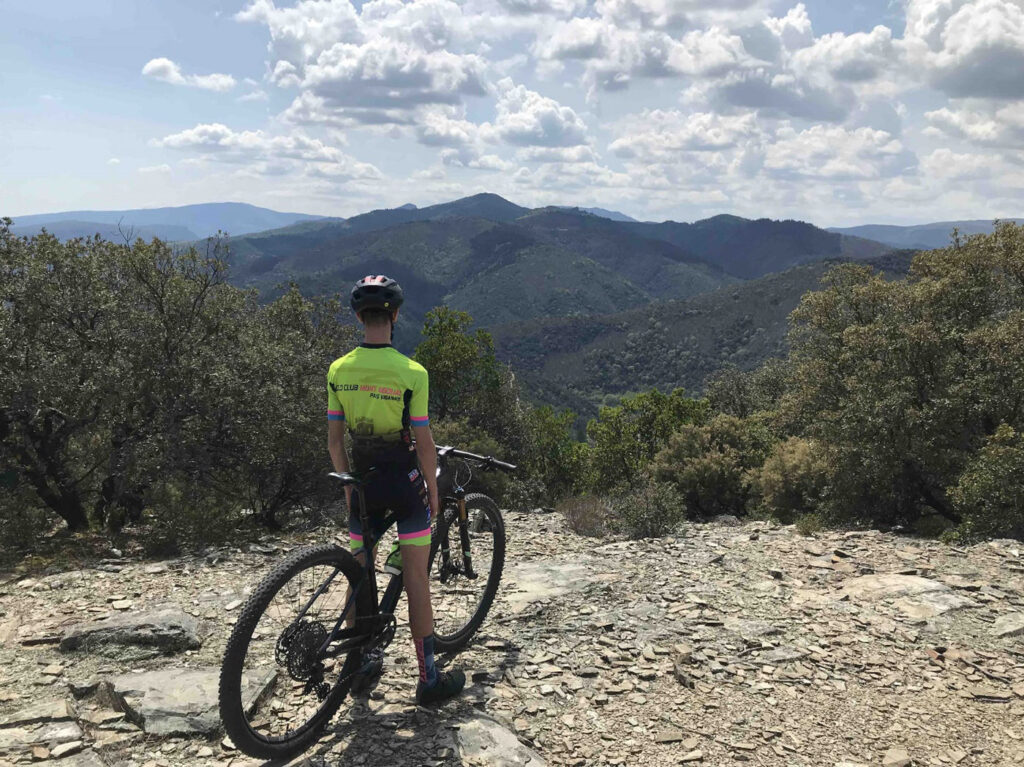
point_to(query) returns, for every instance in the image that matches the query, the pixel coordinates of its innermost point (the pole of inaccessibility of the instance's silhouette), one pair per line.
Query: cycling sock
(425, 657)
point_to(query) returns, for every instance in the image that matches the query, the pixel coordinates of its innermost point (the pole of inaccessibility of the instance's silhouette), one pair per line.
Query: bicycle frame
(349, 639)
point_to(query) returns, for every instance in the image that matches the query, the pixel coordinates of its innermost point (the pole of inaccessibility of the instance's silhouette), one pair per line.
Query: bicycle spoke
(457, 597)
(284, 646)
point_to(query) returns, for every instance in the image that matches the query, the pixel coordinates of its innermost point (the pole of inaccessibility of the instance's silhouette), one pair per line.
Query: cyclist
(382, 397)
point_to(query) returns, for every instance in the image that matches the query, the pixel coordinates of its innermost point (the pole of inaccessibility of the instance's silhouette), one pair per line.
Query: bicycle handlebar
(487, 461)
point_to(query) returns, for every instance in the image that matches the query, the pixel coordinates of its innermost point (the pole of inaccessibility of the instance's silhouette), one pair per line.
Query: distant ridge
(191, 221)
(612, 215)
(920, 236)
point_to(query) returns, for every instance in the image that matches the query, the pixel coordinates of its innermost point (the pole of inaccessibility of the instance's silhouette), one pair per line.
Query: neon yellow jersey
(375, 388)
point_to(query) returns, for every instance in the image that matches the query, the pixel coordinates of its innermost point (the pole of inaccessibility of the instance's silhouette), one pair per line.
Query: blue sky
(837, 113)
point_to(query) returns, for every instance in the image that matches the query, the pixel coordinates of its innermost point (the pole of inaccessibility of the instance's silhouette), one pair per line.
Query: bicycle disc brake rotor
(297, 649)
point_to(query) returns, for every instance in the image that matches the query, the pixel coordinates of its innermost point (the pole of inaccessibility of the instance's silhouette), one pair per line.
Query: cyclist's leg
(414, 541)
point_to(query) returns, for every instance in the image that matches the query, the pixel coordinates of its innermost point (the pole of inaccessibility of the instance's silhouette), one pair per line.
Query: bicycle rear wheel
(276, 692)
(460, 600)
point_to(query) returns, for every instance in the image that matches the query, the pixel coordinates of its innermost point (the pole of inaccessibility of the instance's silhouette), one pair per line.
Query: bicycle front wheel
(277, 691)
(466, 560)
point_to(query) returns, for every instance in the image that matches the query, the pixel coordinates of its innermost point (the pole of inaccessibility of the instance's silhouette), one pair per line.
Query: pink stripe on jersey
(407, 536)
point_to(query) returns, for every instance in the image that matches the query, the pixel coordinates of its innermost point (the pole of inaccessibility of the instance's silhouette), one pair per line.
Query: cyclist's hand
(348, 497)
(435, 505)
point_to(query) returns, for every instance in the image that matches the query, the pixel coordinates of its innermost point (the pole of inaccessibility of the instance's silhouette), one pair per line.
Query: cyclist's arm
(427, 453)
(336, 447)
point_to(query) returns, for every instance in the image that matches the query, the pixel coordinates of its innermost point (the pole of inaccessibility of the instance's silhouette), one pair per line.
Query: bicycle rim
(287, 690)
(461, 602)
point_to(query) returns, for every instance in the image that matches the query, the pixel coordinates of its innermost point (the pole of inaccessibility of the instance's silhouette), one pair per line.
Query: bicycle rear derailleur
(298, 651)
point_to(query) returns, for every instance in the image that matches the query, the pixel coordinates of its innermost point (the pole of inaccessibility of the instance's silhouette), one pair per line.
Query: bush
(741, 393)
(809, 524)
(22, 520)
(793, 479)
(651, 510)
(709, 465)
(587, 515)
(186, 515)
(626, 438)
(990, 493)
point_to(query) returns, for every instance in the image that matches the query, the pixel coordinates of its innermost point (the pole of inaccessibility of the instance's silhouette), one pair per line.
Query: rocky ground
(730, 643)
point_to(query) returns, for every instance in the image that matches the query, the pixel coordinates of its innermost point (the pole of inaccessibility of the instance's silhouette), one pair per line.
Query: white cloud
(113, 161)
(833, 152)
(256, 95)
(269, 154)
(1001, 127)
(614, 55)
(386, 74)
(526, 118)
(969, 48)
(159, 169)
(852, 58)
(167, 71)
(660, 135)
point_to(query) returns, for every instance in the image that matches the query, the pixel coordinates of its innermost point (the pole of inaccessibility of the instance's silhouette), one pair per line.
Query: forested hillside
(502, 262)
(140, 390)
(580, 362)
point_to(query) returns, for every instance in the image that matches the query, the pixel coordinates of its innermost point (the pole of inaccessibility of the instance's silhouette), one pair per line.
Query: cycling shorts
(393, 489)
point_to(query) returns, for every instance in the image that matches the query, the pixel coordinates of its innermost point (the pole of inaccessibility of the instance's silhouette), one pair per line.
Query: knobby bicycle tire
(232, 710)
(479, 502)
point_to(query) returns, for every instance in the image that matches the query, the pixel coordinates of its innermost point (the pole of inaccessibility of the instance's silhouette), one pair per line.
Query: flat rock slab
(55, 710)
(50, 734)
(1009, 625)
(482, 741)
(84, 759)
(751, 629)
(166, 630)
(916, 597)
(177, 701)
(546, 578)
(875, 588)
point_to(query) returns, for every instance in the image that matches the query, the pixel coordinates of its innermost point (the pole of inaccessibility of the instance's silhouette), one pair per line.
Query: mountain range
(922, 236)
(187, 222)
(585, 304)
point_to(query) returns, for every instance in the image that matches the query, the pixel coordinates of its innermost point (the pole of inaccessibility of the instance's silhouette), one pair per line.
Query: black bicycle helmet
(376, 291)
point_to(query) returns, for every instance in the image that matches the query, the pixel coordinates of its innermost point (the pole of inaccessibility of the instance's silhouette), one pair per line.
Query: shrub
(793, 479)
(626, 438)
(183, 514)
(990, 493)
(177, 374)
(650, 510)
(709, 465)
(587, 515)
(809, 524)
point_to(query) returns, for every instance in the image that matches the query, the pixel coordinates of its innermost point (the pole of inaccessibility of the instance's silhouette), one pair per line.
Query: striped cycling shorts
(400, 490)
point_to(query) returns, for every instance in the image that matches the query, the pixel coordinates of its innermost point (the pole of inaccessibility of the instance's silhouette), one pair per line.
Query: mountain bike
(315, 626)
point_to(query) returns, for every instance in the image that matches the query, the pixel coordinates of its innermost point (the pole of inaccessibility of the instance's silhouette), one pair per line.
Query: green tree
(794, 479)
(904, 381)
(134, 377)
(464, 375)
(624, 439)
